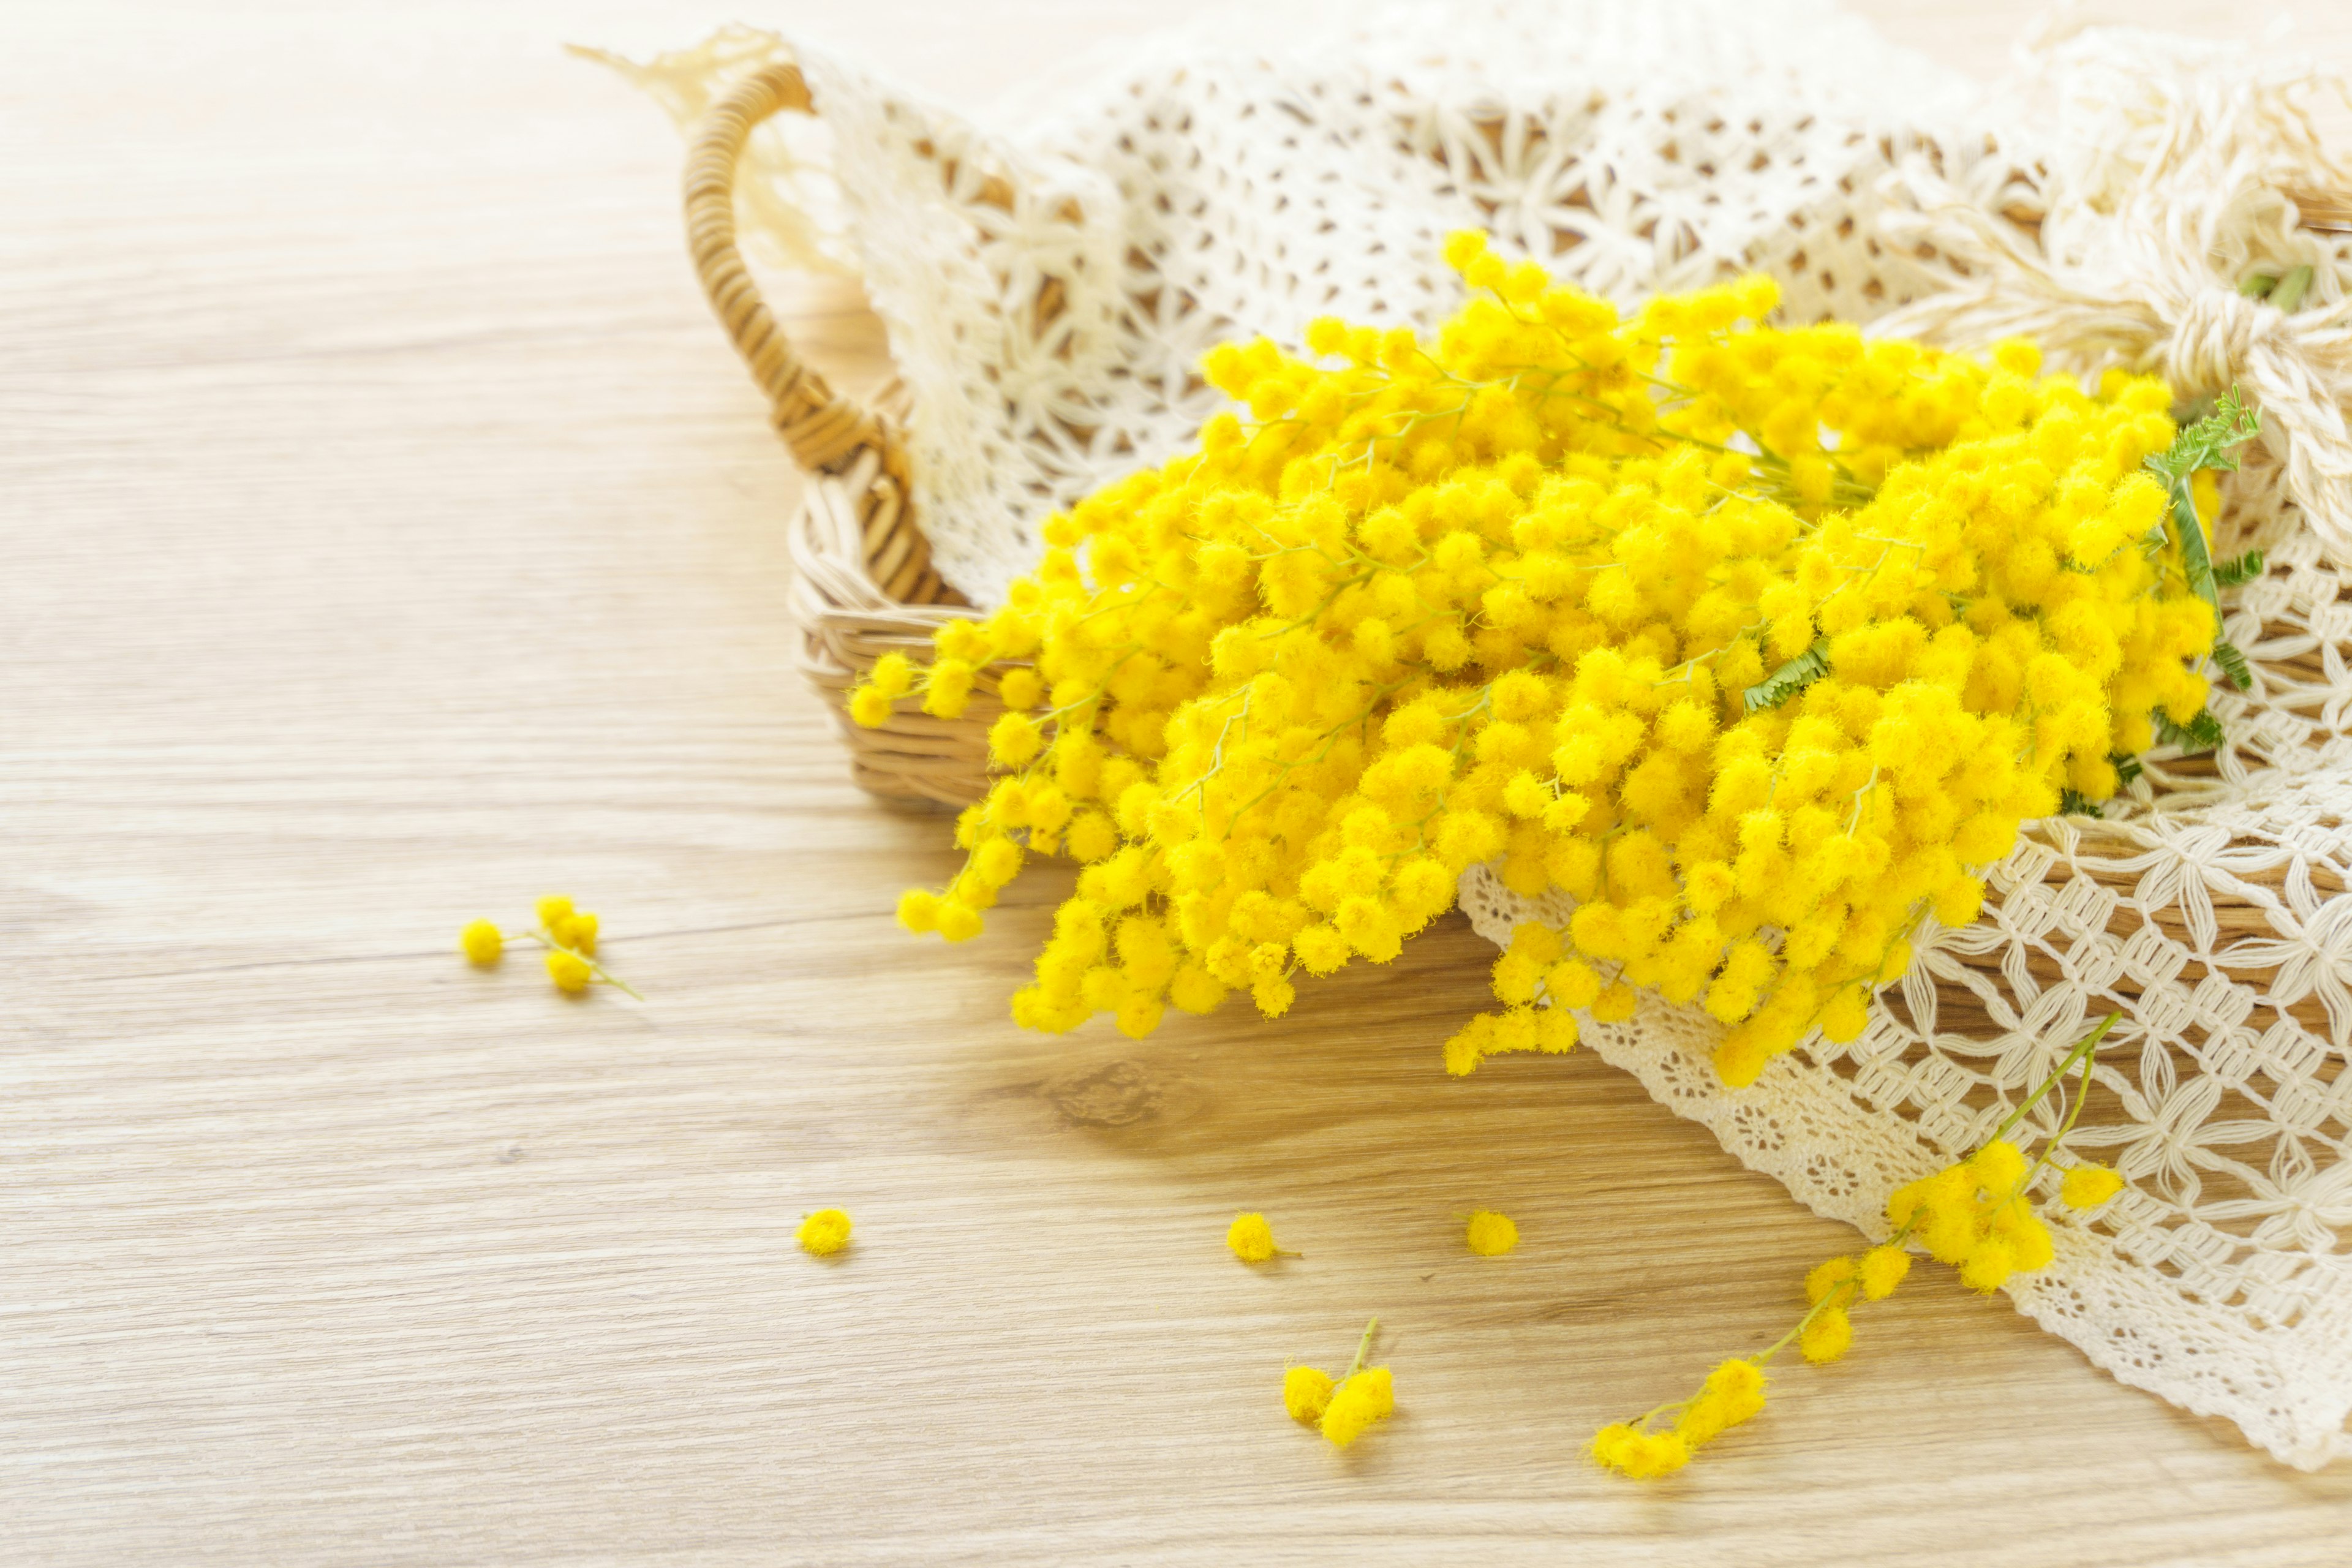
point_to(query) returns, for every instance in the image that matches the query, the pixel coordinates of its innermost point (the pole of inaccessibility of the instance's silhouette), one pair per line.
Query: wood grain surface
(390, 538)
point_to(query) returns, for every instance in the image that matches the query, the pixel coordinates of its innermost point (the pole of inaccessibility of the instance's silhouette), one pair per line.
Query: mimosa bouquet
(1757, 644)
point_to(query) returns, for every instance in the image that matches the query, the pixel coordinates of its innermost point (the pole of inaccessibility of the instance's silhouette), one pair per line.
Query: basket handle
(823, 430)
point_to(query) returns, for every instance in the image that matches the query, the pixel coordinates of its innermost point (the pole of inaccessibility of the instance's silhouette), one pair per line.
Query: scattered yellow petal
(1251, 1238)
(569, 970)
(1367, 1396)
(1492, 1234)
(576, 932)
(1305, 1393)
(1643, 1455)
(824, 1233)
(481, 943)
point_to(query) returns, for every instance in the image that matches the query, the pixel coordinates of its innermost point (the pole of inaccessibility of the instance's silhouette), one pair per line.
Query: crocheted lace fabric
(1049, 281)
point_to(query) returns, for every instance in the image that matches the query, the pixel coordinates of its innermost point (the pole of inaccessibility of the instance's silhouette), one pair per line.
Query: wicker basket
(862, 583)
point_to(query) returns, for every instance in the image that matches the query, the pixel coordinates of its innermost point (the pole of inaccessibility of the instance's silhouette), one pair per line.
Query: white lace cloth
(1049, 282)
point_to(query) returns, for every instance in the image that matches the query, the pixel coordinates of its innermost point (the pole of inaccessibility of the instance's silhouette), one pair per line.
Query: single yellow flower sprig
(1345, 1410)
(568, 935)
(1967, 1214)
(2085, 1187)
(573, 971)
(1306, 1390)
(1251, 1239)
(1366, 1396)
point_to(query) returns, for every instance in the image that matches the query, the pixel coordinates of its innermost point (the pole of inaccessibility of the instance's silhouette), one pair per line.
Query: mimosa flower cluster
(568, 934)
(1345, 1408)
(1976, 1215)
(1760, 644)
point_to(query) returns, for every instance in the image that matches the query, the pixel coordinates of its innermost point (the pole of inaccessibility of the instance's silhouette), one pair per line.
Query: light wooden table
(392, 537)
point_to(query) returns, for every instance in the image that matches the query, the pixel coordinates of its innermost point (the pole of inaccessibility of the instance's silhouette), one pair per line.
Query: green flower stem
(546, 939)
(2083, 1047)
(1363, 1349)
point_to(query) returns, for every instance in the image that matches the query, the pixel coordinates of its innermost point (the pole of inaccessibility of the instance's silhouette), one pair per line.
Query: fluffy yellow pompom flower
(1999, 1166)
(1020, 688)
(2029, 1241)
(1305, 1393)
(1988, 1265)
(824, 1233)
(481, 943)
(1343, 1411)
(1643, 1455)
(1827, 1337)
(1365, 1397)
(1883, 1269)
(869, 707)
(1251, 1238)
(1847, 1014)
(568, 934)
(1492, 1234)
(1615, 1003)
(570, 971)
(1013, 740)
(947, 688)
(576, 932)
(1828, 1277)
(1733, 1393)
(956, 919)
(2088, 1187)
(1516, 595)
(894, 675)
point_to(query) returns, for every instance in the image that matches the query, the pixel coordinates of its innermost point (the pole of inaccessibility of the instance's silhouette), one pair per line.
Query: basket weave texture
(863, 579)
